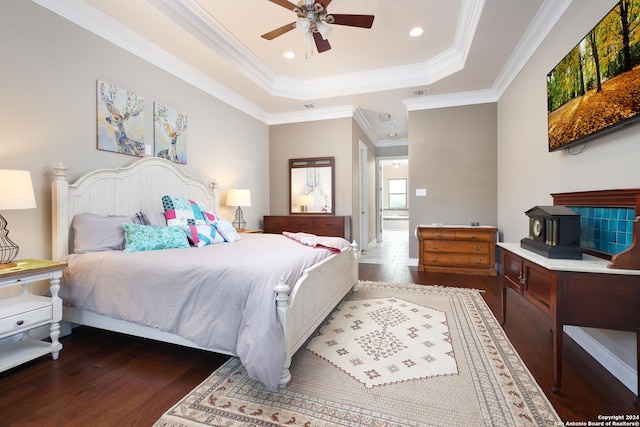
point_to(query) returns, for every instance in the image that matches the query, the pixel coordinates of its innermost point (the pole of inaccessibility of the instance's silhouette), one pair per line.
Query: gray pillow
(94, 233)
(156, 218)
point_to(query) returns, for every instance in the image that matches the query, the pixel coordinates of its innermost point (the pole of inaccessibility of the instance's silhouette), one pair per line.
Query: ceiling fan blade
(362, 21)
(325, 3)
(279, 31)
(321, 44)
(284, 3)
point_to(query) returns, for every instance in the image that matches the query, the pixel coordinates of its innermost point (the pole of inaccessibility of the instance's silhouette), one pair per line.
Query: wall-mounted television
(596, 87)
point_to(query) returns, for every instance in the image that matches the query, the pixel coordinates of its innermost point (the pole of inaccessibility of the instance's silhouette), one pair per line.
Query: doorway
(393, 210)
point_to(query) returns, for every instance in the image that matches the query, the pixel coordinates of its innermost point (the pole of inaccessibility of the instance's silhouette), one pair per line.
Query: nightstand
(21, 314)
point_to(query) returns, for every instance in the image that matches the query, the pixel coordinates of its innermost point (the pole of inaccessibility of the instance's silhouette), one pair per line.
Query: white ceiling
(469, 53)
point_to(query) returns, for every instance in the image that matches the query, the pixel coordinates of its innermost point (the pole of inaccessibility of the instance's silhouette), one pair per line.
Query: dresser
(320, 225)
(457, 249)
(19, 315)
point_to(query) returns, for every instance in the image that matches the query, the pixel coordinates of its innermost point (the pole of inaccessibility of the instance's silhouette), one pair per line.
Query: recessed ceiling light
(415, 32)
(392, 135)
(289, 55)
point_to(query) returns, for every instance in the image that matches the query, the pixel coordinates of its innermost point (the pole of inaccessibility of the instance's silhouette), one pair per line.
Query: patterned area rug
(389, 355)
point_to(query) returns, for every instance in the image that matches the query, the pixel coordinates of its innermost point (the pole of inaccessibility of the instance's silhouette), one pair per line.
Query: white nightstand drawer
(26, 320)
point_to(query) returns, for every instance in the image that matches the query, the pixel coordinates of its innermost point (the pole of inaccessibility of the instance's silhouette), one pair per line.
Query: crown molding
(194, 19)
(311, 115)
(450, 100)
(547, 17)
(392, 142)
(364, 124)
(218, 38)
(104, 26)
(207, 29)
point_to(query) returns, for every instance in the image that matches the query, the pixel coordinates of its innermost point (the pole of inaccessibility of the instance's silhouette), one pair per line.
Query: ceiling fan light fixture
(303, 25)
(315, 23)
(324, 30)
(307, 38)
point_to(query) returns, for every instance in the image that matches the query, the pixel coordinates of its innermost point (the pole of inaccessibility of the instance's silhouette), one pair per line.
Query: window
(398, 193)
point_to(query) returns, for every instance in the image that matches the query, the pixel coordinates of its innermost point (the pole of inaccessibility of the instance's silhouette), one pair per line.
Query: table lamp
(306, 200)
(16, 192)
(239, 197)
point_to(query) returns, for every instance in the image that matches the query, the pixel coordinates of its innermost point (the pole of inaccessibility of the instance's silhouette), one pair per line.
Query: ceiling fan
(313, 20)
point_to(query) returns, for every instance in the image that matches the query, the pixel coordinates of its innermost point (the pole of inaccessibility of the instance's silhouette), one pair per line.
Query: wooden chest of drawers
(457, 249)
(321, 225)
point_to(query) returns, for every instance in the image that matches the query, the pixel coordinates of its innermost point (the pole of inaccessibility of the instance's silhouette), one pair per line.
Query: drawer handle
(478, 248)
(20, 322)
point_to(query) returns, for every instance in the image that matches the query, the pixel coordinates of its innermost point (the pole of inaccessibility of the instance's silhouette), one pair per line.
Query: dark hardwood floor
(107, 379)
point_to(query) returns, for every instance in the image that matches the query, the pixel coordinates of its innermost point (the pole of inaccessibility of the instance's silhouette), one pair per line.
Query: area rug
(389, 355)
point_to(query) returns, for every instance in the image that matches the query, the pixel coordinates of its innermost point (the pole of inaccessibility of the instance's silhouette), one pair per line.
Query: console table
(573, 292)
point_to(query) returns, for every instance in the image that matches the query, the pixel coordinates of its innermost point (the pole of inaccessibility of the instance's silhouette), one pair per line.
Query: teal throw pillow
(140, 238)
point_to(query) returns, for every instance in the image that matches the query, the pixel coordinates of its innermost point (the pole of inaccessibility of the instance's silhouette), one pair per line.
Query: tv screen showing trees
(596, 87)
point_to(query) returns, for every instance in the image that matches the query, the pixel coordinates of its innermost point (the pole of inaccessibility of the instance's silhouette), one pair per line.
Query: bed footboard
(314, 296)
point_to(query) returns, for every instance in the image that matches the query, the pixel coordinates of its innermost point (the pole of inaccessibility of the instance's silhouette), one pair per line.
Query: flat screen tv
(596, 87)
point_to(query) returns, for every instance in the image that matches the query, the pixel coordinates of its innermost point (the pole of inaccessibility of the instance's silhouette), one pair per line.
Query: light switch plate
(421, 192)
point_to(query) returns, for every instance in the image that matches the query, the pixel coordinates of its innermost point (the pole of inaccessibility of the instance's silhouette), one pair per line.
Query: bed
(262, 306)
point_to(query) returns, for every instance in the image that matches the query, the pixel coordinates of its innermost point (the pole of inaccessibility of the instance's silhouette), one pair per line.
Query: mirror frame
(299, 186)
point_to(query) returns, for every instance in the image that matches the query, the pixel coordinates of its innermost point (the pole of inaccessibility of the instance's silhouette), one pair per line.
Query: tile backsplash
(607, 230)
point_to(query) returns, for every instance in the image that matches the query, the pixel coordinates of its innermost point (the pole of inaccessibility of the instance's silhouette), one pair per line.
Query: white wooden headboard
(121, 191)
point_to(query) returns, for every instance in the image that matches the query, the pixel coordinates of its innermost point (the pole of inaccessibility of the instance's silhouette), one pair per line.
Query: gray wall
(528, 173)
(338, 138)
(453, 154)
(48, 108)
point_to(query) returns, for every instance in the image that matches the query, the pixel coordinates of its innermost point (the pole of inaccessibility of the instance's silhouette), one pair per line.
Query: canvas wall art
(170, 127)
(120, 120)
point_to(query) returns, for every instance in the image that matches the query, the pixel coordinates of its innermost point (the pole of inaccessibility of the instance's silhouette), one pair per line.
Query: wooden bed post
(60, 212)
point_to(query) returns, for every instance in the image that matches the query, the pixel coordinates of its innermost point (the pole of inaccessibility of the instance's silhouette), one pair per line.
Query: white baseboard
(627, 375)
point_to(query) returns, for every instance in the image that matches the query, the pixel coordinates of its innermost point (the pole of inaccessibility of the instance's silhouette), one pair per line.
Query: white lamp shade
(238, 197)
(16, 190)
(306, 200)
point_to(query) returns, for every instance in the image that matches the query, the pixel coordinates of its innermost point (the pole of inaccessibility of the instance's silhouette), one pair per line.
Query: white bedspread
(219, 296)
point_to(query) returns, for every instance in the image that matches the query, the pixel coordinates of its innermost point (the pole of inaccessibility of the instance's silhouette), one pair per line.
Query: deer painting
(172, 130)
(119, 115)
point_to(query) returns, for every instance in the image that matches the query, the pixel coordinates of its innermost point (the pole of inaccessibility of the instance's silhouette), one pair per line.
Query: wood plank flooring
(107, 379)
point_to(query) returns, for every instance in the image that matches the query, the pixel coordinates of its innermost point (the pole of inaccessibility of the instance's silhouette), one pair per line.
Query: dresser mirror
(311, 186)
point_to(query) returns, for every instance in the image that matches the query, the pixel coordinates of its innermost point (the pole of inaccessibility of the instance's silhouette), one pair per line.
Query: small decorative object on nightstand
(238, 197)
(21, 314)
